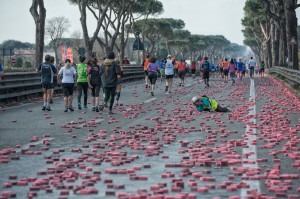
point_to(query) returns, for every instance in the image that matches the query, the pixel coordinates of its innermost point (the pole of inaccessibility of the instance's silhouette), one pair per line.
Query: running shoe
(79, 107)
(102, 106)
(97, 109)
(44, 108)
(152, 94)
(94, 108)
(48, 108)
(66, 109)
(110, 112)
(71, 108)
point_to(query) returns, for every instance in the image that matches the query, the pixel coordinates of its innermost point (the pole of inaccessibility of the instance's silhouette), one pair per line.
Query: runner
(47, 71)
(181, 72)
(67, 76)
(153, 69)
(109, 72)
(119, 85)
(193, 69)
(145, 64)
(262, 69)
(162, 65)
(169, 71)
(257, 68)
(252, 64)
(54, 79)
(205, 67)
(82, 82)
(232, 70)
(241, 68)
(205, 104)
(94, 81)
(221, 68)
(225, 70)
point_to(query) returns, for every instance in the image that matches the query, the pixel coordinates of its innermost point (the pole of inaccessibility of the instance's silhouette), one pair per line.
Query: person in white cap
(203, 103)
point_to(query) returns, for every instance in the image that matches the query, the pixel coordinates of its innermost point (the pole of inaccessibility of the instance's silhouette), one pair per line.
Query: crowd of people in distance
(108, 77)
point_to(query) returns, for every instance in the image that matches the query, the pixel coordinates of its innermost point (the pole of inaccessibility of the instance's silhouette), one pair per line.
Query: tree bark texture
(38, 13)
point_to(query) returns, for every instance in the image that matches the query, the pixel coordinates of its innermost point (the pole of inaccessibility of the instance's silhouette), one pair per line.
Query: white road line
(26, 146)
(254, 184)
(150, 100)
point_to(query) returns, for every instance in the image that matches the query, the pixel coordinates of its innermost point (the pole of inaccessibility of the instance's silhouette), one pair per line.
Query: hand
(90, 86)
(75, 85)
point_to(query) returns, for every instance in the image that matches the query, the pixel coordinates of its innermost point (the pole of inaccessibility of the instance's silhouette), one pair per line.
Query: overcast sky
(207, 17)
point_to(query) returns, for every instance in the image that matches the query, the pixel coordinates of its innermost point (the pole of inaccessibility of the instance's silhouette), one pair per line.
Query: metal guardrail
(290, 74)
(24, 84)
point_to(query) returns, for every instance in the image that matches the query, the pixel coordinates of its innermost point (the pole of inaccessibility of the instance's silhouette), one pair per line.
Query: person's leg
(66, 96)
(222, 109)
(80, 88)
(48, 96)
(85, 94)
(44, 98)
(70, 100)
(146, 78)
(167, 83)
(97, 92)
(112, 99)
(93, 97)
(170, 83)
(207, 79)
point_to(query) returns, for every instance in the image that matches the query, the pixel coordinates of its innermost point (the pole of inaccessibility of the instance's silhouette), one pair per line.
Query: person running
(82, 82)
(232, 70)
(240, 67)
(169, 71)
(262, 69)
(181, 72)
(225, 70)
(145, 64)
(162, 65)
(119, 85)
(47, 71)
(94, 82)
(193, 69)
(252, 64)
(67, 76)
(221, 68)
(52, 59)
(203, 103)
(109, 72)
(153, 69)
(205, 67)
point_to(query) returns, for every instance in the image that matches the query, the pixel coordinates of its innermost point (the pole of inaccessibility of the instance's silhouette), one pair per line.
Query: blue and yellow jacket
(208, 104)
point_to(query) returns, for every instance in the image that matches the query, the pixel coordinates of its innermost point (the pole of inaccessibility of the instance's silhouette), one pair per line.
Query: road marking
(254, 184)
(150, 100)
(26, 146)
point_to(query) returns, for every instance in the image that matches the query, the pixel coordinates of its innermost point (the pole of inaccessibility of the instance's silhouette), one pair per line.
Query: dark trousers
(110, 92)
(206, 77)
(82, 86)
(221, 109)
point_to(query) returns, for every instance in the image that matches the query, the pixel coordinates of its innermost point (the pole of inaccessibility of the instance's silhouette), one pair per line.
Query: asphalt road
(157, 147)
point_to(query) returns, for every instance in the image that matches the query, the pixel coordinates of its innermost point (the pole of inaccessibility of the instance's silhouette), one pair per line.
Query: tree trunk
(38, 13)
(275, 45)
(291, 31)
(56, 55)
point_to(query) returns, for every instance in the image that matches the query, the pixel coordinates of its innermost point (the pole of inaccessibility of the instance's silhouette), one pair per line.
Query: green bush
(19, 62)
(27, 64)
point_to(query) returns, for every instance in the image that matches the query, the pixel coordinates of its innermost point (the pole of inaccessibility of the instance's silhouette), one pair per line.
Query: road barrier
(289, 74)
(17, 86)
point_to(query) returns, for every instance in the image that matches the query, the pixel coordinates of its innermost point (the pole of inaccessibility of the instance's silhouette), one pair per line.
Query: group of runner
(87, 75)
